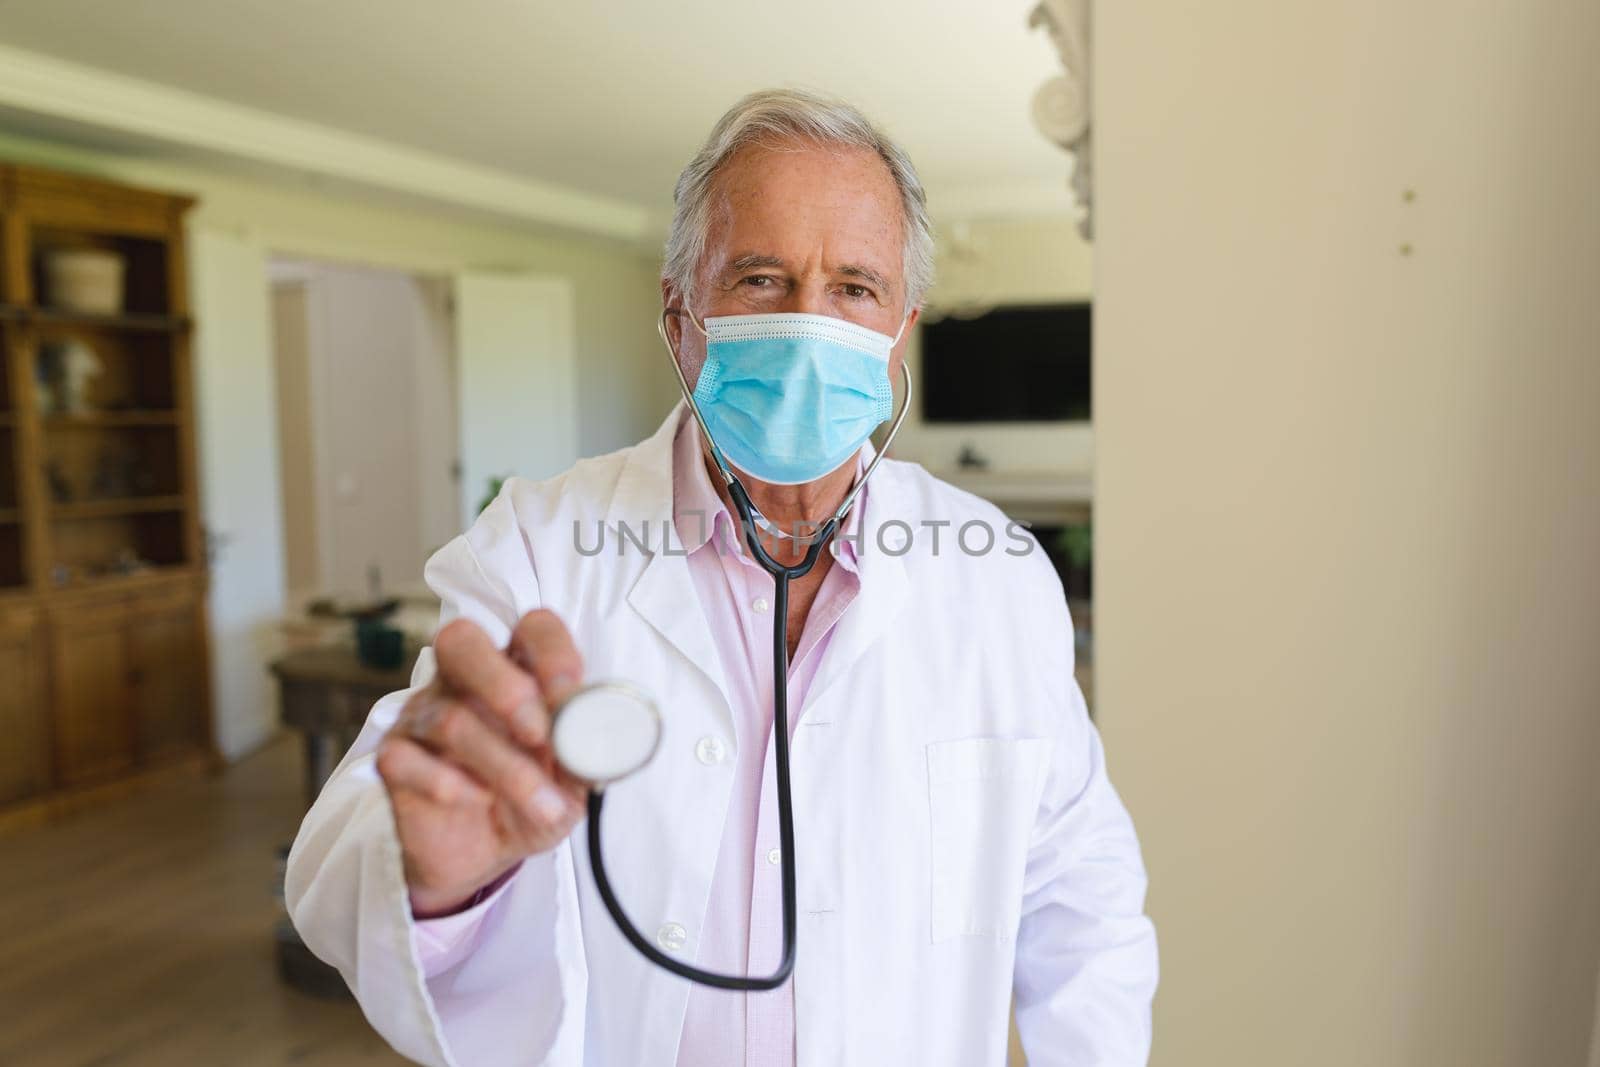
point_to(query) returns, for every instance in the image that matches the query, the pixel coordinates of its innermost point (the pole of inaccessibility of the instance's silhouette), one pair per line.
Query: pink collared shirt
(744, 920)
(743, 932)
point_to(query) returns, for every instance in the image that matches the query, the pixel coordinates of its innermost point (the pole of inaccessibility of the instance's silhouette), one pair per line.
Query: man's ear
(671, 305)
(911, 323)
(687, 347)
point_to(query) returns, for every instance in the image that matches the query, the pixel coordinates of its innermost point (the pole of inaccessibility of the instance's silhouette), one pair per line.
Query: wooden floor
(141, 934)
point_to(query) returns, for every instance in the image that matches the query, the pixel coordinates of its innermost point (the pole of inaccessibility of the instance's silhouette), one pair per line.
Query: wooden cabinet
(103, 649)
(129, 682)
(24, 707)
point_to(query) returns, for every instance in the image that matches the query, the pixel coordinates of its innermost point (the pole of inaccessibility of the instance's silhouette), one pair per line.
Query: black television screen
(1013, 364)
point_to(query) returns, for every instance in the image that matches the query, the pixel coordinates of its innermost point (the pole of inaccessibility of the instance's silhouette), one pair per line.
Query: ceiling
(608, 99)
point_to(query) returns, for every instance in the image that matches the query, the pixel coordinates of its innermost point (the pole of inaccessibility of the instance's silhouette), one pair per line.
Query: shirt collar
(700, 516)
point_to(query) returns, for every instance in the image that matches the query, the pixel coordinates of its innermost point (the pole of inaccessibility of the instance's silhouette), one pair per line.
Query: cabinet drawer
(170, 703)
(94, 722)
(162, 600)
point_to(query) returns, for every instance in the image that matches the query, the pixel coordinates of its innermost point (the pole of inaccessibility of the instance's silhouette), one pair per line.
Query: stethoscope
(608, 730)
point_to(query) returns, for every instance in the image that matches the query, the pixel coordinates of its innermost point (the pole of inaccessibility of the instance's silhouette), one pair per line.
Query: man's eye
(758, 281)
(856, 292)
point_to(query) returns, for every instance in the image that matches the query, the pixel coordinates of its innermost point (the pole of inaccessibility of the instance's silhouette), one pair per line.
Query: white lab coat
(957, 837)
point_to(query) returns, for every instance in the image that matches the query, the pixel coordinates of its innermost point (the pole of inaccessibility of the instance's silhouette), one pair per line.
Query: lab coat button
(709, 750)
(775, 857)
(761, 605)
(671, 936)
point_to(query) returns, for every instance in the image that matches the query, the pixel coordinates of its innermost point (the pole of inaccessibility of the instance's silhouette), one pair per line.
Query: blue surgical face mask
(788, 398)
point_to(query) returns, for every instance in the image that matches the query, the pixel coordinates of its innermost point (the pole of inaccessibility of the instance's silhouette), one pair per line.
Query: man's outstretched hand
(474, 785)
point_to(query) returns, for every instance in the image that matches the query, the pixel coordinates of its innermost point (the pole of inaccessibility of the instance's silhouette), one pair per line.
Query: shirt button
(709, 750)
(671, 936)
(775, 857)
(761, 605)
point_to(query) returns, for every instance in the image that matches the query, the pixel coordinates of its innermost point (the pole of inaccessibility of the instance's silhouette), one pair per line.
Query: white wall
(235, 393)
(983, 263)
(515, 345)
(438, 506)
(1348, 520)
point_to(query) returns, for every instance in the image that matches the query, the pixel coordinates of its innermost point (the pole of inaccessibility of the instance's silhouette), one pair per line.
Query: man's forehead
(836, 209)
(784, 189)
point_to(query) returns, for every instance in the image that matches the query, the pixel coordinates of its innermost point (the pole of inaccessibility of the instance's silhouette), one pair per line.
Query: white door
(367, 416)
(363, 333)
(516, 361)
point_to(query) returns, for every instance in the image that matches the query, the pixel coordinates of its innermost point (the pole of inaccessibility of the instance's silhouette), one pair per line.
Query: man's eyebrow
(757, 260)
(750, 261)
(854, 270)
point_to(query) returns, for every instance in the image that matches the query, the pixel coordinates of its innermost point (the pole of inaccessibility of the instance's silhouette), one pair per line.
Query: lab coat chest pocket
(982, 796)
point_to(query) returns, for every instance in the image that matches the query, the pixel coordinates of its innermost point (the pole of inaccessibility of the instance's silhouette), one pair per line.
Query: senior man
(959, 845)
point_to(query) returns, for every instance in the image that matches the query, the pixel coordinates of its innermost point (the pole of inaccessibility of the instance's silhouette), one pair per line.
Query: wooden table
(326, 695)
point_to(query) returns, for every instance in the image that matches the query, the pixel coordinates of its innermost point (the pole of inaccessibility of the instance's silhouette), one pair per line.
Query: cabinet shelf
(110, 419)
(133, 581)
(58, 317)
(105, 509)
(48, 316)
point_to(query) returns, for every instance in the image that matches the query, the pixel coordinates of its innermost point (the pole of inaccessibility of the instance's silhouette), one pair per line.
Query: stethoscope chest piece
(605, 731)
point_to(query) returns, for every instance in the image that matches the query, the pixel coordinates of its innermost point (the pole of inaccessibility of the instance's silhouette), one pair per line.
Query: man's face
(801, 228)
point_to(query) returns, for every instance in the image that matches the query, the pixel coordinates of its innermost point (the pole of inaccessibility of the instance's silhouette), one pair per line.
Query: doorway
(367, 425)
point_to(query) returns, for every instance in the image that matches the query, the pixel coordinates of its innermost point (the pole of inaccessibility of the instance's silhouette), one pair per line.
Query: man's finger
(473, 669)
(405, 765)
(456, 732)
(542, 644)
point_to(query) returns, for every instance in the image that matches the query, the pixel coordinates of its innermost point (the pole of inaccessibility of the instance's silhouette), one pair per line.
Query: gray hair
(774, 116)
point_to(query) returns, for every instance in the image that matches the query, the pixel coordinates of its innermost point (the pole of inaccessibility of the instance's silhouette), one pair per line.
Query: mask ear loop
(716, 453)
(901, 330)
(683, 386)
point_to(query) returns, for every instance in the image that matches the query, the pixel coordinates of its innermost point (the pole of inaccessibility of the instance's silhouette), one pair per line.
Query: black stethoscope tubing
(781, 576)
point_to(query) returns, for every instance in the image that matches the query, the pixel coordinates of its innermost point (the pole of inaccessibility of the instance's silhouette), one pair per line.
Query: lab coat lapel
(664, 593)
(884, 584)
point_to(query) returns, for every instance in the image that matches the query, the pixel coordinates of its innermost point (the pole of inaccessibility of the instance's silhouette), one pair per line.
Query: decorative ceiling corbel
(1061, 106)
